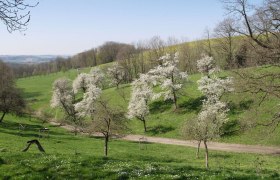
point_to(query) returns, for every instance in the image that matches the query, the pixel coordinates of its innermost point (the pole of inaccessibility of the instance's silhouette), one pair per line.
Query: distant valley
(29, 59)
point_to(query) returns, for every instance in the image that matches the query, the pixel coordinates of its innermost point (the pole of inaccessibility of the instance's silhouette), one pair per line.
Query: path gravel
(241, 148)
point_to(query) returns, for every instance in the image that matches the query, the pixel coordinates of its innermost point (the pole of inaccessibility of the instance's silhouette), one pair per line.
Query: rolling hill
(163, 121)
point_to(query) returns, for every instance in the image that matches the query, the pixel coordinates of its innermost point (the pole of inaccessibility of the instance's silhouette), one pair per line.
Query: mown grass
(163, 121)
(81, 157)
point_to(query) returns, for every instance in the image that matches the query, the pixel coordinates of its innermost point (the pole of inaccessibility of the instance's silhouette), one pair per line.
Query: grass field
(79, 157)
(163, 121)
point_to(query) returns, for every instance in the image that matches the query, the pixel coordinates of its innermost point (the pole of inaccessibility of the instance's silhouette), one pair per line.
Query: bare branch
(15, 14)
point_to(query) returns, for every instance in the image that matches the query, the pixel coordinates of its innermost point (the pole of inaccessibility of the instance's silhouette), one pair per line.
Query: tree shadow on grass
(240, 107)
(224, 156)
(142, 142)
(24, 130)
(15, 125)
(2, 161)
(160, 129)
(96, 137)
(21, 134)
(160, 106)
(31, 95)
(192, 105)
(231, 128)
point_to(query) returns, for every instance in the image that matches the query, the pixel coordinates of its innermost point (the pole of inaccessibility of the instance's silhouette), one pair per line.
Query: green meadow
(81, 157)
(163, 121)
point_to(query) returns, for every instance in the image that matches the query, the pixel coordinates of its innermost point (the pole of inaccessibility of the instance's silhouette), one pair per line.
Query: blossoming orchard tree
(206, 65)
(169, 76)
(170, 79)
(208, 124)
(142, 93)
(96, 77)
(84, 80)
(81, 82)
(86, 107)
(105, 119)
(116, 73)
(64, 98)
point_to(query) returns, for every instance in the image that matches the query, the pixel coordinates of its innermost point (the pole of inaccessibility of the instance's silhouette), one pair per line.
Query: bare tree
(15, 14)
(208, 43)
(240, 56)
(225, 34)
(140, 48)
(264, 87)
(261, 25)
(125, 58)
(188, 57)
(156, 49)
(116, 74)
(157, 46)
(172, 44)
(11, 100)
(108, 121)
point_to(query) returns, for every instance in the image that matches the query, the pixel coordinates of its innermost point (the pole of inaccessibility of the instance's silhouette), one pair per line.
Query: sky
(67, 27)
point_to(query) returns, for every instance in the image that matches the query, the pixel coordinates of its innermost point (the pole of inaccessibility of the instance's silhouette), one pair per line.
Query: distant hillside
(163, 121)
(28, 59)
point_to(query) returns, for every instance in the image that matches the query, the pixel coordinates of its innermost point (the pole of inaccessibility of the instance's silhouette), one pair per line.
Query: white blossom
(142, 93)
(96, 76)
(87, 105)
(169, 75)
(143, 86)
(211, 119)
(214, 112)
(206, 65)
(213, 87)
(62, 93)
(116, 73)
(90, 83)
(137, 108)
(81, 82)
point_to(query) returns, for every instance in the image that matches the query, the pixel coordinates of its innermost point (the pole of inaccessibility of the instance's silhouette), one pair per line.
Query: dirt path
(211, 145)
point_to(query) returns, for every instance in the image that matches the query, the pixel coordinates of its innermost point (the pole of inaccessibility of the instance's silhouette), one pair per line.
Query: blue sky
(66, 27)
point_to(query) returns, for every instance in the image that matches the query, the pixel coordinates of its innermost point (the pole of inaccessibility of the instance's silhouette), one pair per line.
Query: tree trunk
(175, 100)
(76, 130)
(2, 117)
(106, 145)
(144, 123)
(206, 154)
(174, 94)
(84, 89)
(198, 147)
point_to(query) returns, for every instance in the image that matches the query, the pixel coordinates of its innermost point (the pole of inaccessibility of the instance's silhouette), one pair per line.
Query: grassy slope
(162, 121)
(68, 156)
